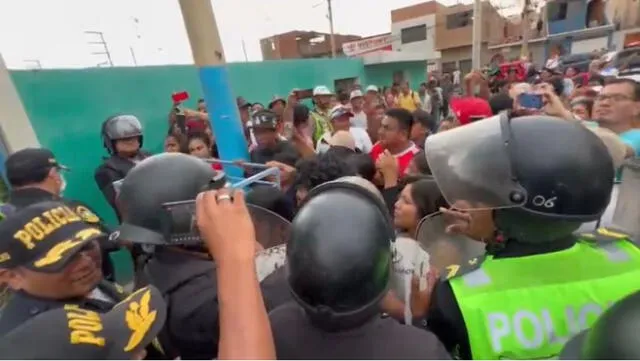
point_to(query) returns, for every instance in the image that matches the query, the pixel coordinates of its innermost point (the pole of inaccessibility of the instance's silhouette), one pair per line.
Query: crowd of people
(457, 220)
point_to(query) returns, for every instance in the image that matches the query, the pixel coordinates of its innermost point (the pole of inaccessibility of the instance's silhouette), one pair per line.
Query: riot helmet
(339, 253)
(120, 127)
(614, 336)
(157, 199)
(535, 170)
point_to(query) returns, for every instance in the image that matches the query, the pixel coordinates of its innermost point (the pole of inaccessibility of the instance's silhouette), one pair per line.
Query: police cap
(44, 237)
(73, 332)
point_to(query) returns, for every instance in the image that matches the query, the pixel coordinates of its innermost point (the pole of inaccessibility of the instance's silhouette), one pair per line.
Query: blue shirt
(632, 139)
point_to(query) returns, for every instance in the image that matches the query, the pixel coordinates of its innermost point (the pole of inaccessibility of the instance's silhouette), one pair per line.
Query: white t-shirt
(456, 77)
(360, 137)
(359, 120)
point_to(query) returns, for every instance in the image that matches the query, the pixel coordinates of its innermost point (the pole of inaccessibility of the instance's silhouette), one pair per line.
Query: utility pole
(133, 56)
(476, 50)
(526, 29)
(333, 38)
(104, 46)
(244, 50)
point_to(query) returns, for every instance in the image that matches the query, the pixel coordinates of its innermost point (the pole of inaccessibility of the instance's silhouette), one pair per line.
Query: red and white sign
(368, 45)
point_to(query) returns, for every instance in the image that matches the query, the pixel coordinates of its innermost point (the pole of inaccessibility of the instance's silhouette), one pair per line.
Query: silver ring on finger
(223, 197)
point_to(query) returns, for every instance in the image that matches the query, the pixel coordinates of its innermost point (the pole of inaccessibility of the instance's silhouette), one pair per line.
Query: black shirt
(445, 317)
(296, 338)
(283, 152)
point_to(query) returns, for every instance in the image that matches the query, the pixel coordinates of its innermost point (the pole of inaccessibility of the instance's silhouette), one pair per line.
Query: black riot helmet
(339, 253)
(535, 168)
(120, 127)
(614, 336)
(157, 199)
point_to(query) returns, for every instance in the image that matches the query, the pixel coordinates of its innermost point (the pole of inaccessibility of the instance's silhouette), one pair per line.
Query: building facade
(302, 45)
(454, 29)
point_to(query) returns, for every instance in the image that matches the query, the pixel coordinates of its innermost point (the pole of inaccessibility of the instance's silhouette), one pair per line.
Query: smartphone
(180, 97)
(530, 101)
(304, 94)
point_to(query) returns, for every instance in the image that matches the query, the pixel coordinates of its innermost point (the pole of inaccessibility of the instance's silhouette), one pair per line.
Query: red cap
(470, 109)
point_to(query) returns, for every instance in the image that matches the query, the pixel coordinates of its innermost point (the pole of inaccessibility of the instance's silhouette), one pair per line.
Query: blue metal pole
(208, 56)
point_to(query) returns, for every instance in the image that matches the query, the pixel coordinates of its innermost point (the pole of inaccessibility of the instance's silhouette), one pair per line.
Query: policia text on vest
(528, 307)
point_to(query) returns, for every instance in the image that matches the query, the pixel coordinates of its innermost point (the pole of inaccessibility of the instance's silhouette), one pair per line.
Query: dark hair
(596, 79)
(500, 102)
(300, 114)
(634, 85)
(272, 199)
(363, 165)
(424, 118)
(286, 157)
(201, 136)
(426, 196)
(201, 100)
(403, 116)
(182, 142)
(557, 83)
(323, 168)
(343, 97)
(420, 161)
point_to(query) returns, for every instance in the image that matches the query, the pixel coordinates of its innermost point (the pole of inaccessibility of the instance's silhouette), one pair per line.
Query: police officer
(36, 176)
(160, 214)
(78, 333)
(338, 272)
(122, 138)
(538, 284)
(49, 258)
(270, 145)
(613, 337)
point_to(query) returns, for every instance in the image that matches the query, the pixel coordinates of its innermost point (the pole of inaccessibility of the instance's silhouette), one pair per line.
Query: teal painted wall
(382, 74)
(67, 107)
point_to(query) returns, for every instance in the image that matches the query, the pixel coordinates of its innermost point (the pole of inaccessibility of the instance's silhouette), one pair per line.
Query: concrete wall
(382, 74)
(426, 47)
(67, 107)
(576, 18)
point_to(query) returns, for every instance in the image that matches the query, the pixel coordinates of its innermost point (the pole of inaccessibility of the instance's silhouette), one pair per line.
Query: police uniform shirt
(75, 332)
(188, 284)
(445, 317)
(296, 338)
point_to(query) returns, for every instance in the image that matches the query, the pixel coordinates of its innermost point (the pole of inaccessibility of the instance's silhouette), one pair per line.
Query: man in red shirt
(394, 136)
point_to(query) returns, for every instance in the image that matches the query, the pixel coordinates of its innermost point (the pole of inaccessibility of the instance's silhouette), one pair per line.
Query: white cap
(372, 88)
(356, 94)
(321, 90)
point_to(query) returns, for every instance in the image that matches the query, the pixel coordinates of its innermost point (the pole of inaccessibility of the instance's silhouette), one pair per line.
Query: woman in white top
(340, 120)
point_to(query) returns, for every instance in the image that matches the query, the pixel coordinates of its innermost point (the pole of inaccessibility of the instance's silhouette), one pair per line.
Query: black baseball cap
(30, 162)
(72, 332)
(263, 119)
(44, 237)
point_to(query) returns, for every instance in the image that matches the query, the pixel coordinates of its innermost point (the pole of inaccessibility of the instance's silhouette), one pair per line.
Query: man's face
(323, 101)
(616, 104)
(404, 87)
(378, 114)
(77, 279)
(265, 137)
(128, 146)
(278, 108)
(357, 102)
(390, 133)
(419, 133)
(341, 123)
(545, 75)
(371, 96)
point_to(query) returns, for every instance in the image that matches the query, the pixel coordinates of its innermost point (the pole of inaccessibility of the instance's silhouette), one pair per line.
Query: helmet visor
(123, 126)
(473, 167)
(271, 229)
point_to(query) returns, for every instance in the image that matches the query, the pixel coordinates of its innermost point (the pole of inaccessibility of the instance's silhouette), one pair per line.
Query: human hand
(287, 172)
(387, 164)
(225, 224)
(553, 105)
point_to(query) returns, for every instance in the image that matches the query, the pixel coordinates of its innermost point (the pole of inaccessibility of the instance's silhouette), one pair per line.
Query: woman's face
(405, 213)
(581, 111)
(171, 145)
(199, 149)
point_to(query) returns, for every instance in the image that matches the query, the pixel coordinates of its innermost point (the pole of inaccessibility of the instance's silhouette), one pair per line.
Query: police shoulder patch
(87, 215)
(605, 235)
(456, 270)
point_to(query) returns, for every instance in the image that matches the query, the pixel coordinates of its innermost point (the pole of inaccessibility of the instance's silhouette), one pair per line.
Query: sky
(51, 33)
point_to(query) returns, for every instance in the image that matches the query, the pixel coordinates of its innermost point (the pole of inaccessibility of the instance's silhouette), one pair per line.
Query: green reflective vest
(321, 125)
(528, 307)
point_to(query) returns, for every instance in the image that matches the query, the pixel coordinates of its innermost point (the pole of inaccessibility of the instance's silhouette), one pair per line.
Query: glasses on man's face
(613, 97)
